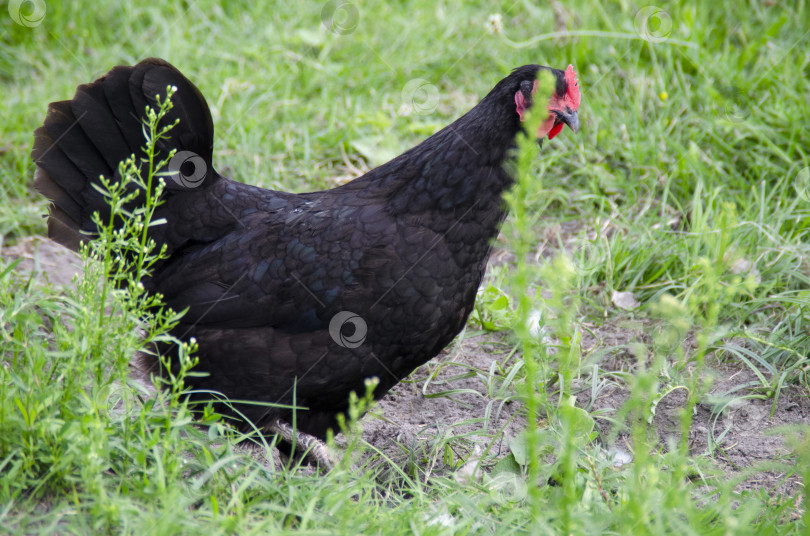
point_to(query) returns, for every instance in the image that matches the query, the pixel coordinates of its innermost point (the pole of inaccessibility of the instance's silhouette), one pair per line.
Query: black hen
(307, 293)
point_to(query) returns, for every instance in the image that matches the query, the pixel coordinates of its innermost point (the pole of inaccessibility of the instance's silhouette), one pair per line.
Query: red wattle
(555, 130)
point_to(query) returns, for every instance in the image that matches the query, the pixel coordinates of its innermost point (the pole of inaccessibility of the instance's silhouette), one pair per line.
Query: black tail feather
(101, 126)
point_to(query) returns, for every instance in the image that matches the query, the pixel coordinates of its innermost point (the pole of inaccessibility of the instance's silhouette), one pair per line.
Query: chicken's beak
(570, 118)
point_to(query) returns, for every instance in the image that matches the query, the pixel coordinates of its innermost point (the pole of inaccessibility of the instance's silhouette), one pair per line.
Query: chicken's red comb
(572, 96)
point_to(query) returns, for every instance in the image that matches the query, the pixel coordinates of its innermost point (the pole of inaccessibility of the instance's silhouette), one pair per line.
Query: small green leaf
(577, 420)
(500, 303)
(507, 464)
(518, 448)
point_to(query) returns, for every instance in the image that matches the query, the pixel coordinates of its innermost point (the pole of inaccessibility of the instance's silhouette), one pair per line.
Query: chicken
(307, 293)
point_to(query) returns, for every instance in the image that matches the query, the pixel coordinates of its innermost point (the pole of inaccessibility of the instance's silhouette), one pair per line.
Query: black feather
(263, 274)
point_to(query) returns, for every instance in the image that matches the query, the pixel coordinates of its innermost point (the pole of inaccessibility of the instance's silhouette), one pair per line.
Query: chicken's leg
(311, 446)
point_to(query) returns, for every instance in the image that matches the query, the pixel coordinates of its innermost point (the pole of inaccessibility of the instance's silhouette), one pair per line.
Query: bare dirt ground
(447, 397)
(738, 432)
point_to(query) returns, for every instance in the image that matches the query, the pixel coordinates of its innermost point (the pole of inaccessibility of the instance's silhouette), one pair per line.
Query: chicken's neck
(458, 172)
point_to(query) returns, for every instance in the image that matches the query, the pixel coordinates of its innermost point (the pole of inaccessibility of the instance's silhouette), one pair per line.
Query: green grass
(684, 186)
